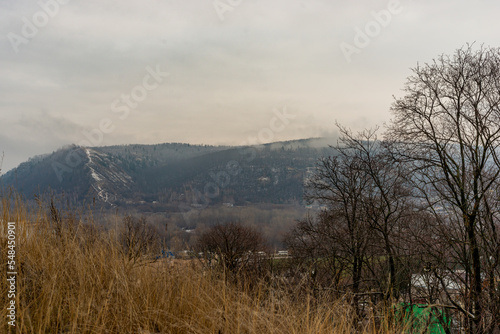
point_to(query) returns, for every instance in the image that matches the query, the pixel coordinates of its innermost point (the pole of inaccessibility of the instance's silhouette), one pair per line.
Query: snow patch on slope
(108, 180)
(94, 174)
(97, 178)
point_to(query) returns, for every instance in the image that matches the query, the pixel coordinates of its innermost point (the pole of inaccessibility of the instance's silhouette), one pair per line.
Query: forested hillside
(172, 174)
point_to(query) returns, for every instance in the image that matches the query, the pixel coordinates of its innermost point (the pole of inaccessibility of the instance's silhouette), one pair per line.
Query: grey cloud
(226, 76)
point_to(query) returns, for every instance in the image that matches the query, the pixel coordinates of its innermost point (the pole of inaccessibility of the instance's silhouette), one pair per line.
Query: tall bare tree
(446, 129)
(366, 198)
(386, 199)
(339, 183)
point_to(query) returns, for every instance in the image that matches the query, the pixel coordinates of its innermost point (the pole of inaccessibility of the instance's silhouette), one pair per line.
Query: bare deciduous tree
(341, 234)
(139, 239)
(386, 197)
(367, 199)
(447, 130)
(232, 245)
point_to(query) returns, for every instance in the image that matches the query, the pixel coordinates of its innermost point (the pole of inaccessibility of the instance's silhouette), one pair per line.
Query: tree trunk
(476, 288)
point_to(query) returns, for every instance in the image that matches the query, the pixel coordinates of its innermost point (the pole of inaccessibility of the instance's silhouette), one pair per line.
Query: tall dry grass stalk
(74, 278)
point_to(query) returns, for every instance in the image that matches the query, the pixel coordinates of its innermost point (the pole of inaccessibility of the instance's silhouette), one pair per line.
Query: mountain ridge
(172, 173)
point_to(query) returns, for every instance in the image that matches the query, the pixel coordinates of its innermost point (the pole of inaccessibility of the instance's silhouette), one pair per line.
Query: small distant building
(281, 254)
(427, 287)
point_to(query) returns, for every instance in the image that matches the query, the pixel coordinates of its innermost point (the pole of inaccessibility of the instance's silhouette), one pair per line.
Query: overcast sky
(85, 66)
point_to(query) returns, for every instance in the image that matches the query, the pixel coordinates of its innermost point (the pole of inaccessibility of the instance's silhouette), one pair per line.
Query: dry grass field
(74, 278)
